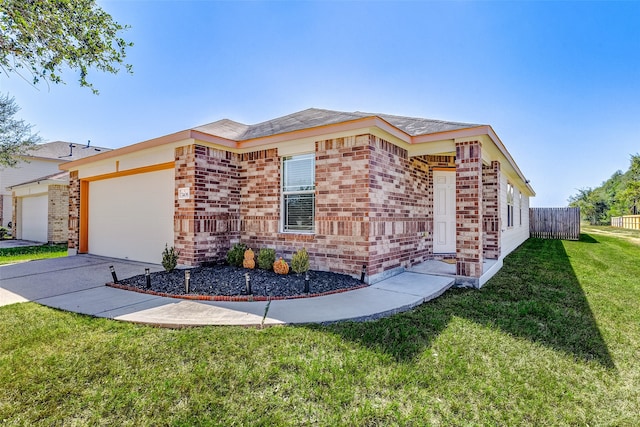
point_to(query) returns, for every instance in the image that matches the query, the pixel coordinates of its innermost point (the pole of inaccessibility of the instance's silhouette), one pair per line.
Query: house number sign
(183, 193)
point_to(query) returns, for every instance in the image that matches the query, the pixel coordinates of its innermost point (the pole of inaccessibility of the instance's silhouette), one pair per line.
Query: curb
(234, 298)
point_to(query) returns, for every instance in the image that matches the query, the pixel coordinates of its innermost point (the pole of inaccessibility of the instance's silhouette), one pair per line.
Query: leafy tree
(15, 135)
(593, 207)
(630, 198)
(47, 36)
(619, 195)
(634, 169)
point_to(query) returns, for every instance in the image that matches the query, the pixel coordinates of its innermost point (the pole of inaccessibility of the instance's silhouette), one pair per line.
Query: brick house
(355, 189)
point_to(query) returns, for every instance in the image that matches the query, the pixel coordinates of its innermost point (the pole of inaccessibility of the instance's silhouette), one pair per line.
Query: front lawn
(552, 339)
(29, 253)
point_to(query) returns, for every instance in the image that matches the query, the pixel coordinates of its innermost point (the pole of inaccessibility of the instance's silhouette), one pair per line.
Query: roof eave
(37, 182)
(151, 143)
(471, 132)
(496, 140)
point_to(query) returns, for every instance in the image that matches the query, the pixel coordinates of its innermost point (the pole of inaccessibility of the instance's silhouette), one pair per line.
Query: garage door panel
(35, 212)
(131, 217)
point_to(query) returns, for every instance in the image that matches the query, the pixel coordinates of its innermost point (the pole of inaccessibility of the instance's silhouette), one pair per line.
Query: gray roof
(315, 117)
(62, 177)
(415, 126)
(65, 151)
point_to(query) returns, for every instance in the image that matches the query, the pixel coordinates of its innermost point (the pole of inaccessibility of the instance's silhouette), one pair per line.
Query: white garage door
(35, 210)
(131, 217)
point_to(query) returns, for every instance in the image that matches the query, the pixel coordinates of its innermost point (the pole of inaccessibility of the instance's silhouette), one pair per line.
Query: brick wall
(74, 211)
(373, 205)
(58, 218)
(260, 198)
(207, 223)
(491, 210)
(339, 243)
(401, 200)
(469, 208)
(342, 203)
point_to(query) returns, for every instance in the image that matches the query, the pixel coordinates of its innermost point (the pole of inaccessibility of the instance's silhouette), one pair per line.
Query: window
(298, 193)
(509, 205)
(520, 203)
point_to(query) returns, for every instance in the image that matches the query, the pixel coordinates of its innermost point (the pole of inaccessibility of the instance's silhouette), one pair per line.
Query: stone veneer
(58, 217)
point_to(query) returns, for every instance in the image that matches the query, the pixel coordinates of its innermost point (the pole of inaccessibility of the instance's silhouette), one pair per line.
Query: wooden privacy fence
(555, 223)
(631, 222)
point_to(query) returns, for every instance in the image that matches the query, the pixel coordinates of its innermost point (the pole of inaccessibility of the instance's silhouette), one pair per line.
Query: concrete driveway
(49, 278)
(76, 284)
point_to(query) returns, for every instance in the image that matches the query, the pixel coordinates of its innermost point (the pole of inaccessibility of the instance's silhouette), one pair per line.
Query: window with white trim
(509, 205)
(520, 202)
(298, 193)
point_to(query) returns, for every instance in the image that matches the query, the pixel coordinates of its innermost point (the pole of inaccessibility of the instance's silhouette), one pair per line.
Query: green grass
(29, 253)
(552, 339)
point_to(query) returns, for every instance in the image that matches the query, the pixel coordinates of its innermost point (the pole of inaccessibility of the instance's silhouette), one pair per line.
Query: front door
(444, 212)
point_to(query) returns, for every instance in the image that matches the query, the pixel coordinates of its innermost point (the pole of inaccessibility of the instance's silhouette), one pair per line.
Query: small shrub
(169, 258)
(300, 261)
(235, 256)
(266, 258)
(281, 267)
(249, 261)
(3, 232)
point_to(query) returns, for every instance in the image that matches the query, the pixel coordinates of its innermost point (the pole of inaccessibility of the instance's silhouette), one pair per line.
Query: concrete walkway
(15, 243)
(77, 284)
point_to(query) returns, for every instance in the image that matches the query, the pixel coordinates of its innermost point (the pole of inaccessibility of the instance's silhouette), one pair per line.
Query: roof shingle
(315, 117)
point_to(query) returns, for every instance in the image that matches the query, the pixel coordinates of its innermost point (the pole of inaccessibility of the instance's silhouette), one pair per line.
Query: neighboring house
(41, 209)
(38, 171)
(355, 189)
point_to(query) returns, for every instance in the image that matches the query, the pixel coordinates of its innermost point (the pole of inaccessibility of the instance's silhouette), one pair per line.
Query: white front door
(444, 212)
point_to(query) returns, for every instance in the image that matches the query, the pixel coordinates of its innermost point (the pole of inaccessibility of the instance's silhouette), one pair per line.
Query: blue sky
(558, 81)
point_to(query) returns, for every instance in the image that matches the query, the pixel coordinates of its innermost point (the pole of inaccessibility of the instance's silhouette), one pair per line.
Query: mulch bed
(227, 283)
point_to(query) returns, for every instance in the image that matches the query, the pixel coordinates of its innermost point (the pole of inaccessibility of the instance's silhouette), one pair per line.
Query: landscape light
(364, 273)
(148, 277)
(187, 277)
(113, 274)
(247, 288)
(306, 282)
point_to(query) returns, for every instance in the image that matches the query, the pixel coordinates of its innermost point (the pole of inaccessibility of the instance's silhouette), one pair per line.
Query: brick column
(468, 212)
(491, 209)
(57, 228)
(14, 213)
(207, 222)
(74, 213)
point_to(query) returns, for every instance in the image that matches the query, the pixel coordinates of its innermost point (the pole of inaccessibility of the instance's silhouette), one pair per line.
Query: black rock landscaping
(225, 280)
